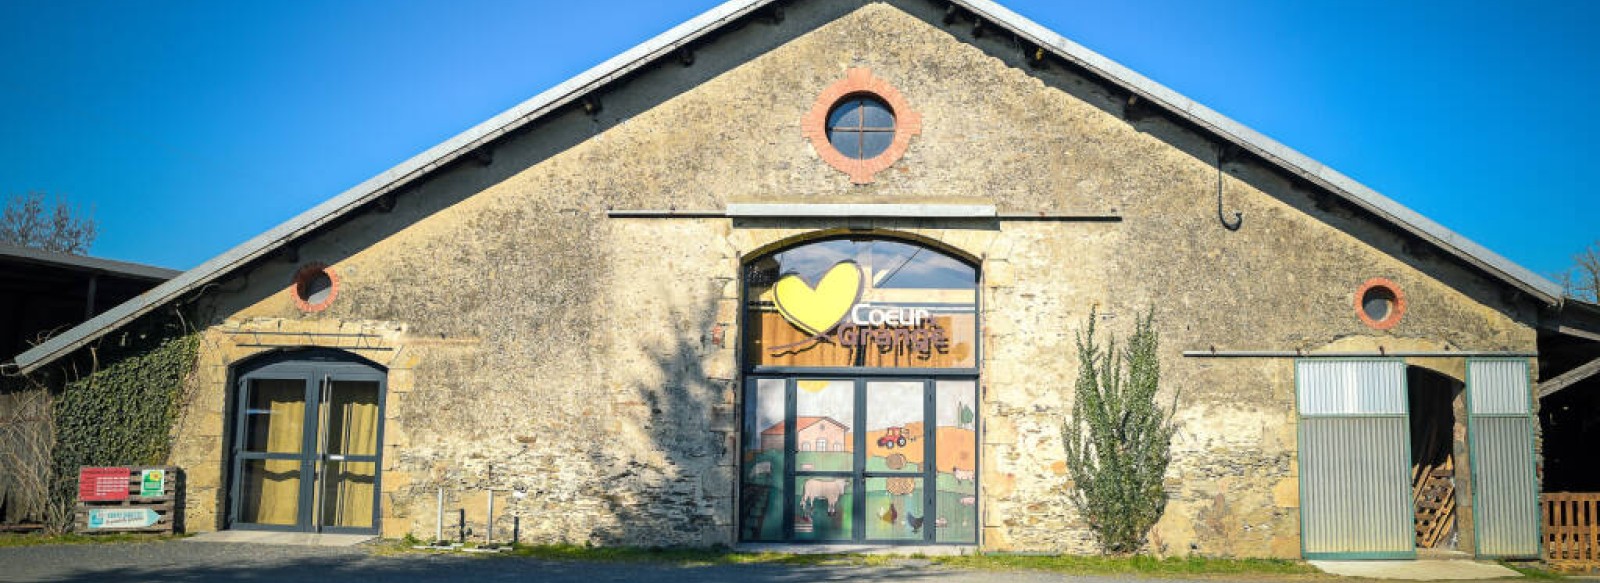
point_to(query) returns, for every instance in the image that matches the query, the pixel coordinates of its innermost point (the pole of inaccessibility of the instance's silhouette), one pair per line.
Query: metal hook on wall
(1226, 153)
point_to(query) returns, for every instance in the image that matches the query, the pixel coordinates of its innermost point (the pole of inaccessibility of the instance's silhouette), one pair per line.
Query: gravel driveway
(185, 561)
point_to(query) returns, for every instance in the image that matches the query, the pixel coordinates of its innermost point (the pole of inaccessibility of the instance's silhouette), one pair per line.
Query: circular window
(1380, 304)
(861, 127)
(315, 287)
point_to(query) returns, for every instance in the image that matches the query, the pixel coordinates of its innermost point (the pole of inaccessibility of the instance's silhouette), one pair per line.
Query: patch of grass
(1532, 570)
(1090, 565)
(29, 540)
(1133, 565)
(677, 556)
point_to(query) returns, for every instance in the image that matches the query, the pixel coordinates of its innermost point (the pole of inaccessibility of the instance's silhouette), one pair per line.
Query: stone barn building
(896, 215)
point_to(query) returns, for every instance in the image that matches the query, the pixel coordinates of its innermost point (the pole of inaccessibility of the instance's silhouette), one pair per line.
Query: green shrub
(1118, 440)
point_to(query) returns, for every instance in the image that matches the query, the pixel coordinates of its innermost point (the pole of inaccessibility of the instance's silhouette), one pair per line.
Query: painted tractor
(894, 436)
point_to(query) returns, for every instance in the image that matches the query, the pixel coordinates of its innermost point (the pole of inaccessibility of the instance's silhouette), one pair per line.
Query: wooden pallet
(1434, 494)
(167, 506)
(1572, 530)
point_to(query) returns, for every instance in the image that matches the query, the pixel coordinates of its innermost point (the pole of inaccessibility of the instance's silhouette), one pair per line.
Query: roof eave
(1290, 160)
(88, 264)
(669, 41)
(390, 180)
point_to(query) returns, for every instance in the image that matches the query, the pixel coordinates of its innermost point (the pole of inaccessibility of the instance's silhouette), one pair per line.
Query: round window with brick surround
(315, 287)
(861, 125)
(1380, 304)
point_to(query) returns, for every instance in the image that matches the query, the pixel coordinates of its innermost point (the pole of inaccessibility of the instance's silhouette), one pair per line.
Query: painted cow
(828, 491)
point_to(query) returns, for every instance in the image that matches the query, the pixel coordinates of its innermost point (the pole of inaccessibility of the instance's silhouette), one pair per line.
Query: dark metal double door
(875, 459)
(306, 447)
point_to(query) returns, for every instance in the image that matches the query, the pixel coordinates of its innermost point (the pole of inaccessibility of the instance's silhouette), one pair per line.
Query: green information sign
(152, 482)
(113, 518)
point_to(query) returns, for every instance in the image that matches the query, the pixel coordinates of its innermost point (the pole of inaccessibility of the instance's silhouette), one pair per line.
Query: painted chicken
(889, 514)
(915, 522)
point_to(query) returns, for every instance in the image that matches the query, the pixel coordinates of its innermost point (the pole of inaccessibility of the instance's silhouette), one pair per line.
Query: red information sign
(97, 484)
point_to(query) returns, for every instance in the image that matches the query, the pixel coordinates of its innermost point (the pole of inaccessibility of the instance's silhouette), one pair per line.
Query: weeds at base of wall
(121, 411)
(1065, 564)
(33, 540)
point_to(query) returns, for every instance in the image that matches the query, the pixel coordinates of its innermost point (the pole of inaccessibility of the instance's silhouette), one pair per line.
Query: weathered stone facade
(534, 344)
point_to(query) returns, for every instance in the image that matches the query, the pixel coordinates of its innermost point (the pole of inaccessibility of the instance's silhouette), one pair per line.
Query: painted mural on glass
(868, 303)
(957, 464)
(874, 455)
(762, 492)
(913, 464)
(824, 454)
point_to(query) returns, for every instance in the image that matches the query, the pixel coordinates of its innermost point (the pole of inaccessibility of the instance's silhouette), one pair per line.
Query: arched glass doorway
(860, 400)
(306, 443)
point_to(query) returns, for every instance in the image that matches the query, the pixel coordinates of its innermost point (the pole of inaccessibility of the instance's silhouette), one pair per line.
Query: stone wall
(589, 362)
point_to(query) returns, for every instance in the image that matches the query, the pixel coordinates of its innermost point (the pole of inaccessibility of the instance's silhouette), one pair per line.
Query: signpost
(128, 499)
(152, 482)
(103, 484)
(122, 518)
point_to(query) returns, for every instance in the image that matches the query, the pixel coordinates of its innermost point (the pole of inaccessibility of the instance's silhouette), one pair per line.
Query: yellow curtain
(353, 420)
(277, 482)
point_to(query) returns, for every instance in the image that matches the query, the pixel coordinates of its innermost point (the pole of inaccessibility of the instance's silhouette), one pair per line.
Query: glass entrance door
(270, 464)
(347, 463)
(859, 460)
(306, 448)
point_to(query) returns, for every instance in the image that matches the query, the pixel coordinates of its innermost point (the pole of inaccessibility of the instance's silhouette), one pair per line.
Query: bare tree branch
(26, 221)
(1583, 280)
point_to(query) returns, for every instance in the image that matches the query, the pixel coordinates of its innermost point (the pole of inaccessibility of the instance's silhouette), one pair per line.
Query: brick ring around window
(856, 98)
(1380, 303)
(315, 287)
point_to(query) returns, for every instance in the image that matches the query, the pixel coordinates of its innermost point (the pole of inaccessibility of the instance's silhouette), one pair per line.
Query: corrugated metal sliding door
(1355, 460)
(1505, 490)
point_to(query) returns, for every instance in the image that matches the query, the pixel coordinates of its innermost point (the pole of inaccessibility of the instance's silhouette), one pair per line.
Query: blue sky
(191, 126)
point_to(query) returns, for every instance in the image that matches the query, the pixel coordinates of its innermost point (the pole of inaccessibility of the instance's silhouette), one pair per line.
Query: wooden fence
(1571, 526)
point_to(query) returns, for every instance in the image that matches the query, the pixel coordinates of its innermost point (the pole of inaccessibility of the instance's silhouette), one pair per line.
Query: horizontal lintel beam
(1373, 354)
(849, 210)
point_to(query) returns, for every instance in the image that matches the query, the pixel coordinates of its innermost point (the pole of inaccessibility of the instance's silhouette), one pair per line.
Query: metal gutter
(697, 27)
(1268, 149)
(1577, 318)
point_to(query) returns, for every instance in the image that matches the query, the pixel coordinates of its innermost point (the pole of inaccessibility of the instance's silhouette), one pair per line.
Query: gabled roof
(801, 423)
(667, 43)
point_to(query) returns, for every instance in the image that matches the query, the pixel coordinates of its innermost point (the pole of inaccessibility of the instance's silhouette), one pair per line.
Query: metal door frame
(1473, 456)
(751, 373)
(858, 474)
(317, 369)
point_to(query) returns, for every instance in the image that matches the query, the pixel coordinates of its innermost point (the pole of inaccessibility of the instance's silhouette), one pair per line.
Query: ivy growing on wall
(122, 410)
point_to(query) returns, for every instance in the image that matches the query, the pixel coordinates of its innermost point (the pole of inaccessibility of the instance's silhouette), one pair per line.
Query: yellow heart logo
(817, 310)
